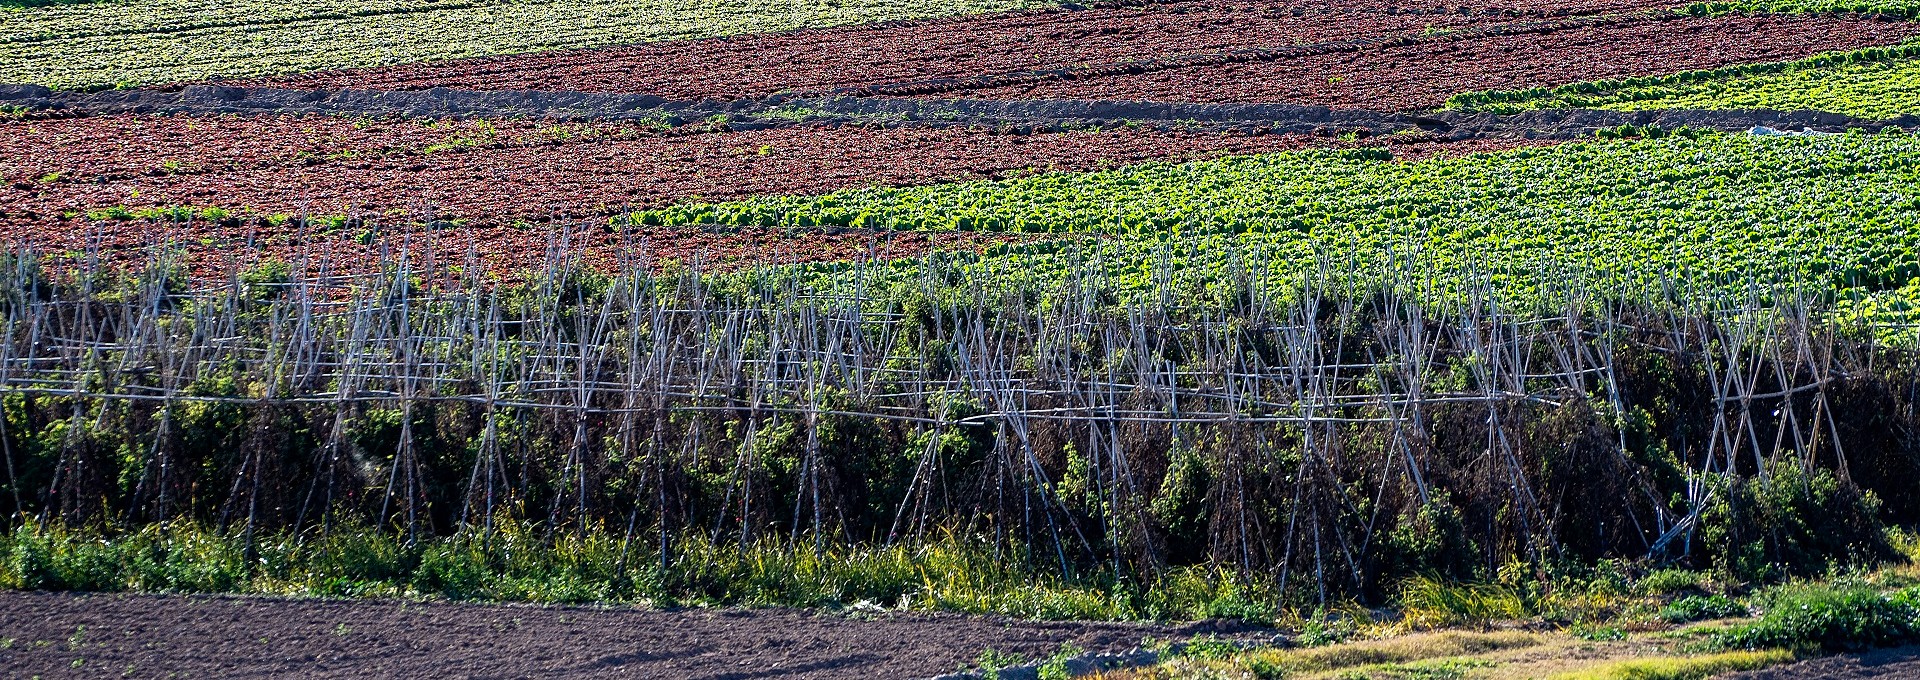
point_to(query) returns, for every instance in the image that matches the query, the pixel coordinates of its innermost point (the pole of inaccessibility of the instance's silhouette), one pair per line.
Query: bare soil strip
(82, 164)
(61, 635)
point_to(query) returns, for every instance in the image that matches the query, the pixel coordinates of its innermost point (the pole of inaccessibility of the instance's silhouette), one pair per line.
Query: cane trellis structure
(1295, 429)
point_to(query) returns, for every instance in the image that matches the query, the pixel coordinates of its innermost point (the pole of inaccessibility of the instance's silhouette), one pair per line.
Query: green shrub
(1791, 523)
(1429, 539)
(1829, 618)
(1699, 608)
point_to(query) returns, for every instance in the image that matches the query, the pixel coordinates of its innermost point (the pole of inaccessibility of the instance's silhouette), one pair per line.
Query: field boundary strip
(1026, 116)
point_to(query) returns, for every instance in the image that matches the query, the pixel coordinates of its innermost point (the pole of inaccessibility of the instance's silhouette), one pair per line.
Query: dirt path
(1901, 662)
(139, 636)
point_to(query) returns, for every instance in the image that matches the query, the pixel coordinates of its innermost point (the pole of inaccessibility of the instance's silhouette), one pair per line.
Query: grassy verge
(1460, 655)
(1661, 627)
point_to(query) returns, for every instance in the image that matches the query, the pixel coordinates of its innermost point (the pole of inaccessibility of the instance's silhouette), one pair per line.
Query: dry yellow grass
(1339, 659)
(1680, 667)
(1464, 655)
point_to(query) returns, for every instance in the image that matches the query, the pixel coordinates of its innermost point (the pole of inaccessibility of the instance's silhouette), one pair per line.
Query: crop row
(1736, 206)
(1425, 74)
(824, 59)
(1870, 83)
(1884, 8)
(155, 41)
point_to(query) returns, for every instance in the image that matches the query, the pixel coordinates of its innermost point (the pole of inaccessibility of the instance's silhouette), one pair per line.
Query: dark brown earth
(59, 635)
(53, 635)
(1900, 662)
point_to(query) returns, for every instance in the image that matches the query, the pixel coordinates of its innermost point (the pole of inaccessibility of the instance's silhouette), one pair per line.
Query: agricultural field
(1870, 83)
(999, 338)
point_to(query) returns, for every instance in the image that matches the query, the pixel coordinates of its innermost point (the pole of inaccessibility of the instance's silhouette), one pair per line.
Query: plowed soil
(817, 60)
(57, 635)
(90, 636)
(1423, 75)
(322, 166)
(502, 198)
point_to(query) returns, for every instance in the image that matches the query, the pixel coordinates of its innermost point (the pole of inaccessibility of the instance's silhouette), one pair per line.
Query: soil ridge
(1016, 116)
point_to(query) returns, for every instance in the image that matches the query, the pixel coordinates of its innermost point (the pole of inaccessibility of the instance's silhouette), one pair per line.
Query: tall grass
(1574, 594)
(1431, 603)
(515, 563)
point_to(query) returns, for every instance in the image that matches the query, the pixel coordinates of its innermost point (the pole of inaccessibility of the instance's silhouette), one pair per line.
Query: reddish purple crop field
(1423, 75)
(820, 60)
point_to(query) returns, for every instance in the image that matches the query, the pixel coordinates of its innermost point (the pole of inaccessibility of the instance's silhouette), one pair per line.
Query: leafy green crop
(1842, 210)
(149, 41)
(1881, 82)
(1895, 8)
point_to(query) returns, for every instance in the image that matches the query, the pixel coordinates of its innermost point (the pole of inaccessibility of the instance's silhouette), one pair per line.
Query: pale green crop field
(137, 42)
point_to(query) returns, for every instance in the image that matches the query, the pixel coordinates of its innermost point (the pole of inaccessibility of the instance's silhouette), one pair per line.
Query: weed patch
(1699, 608)
(1828, 618)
